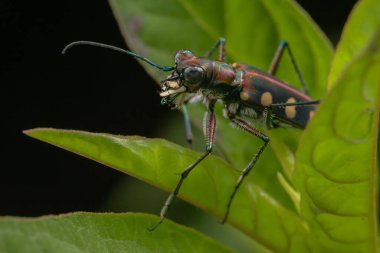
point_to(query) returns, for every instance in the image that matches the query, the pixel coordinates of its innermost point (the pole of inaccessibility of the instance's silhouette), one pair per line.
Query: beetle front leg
(193, 99)
(209, 128)
(249, 129)
(221, 44)
(188, 132)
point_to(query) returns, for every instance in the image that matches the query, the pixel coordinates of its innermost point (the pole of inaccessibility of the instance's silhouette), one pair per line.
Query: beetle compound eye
(193, 74)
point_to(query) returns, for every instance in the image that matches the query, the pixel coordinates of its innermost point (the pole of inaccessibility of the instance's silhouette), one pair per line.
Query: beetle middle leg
(251, 130)
(209, 131)
(277, 58)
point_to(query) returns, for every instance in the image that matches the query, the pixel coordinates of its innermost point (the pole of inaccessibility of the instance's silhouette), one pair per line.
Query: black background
(93, 90)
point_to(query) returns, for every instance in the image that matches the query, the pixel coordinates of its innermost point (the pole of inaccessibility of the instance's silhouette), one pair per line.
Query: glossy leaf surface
(88, 232)
(335, 165)
(159, 162)
(337, 159)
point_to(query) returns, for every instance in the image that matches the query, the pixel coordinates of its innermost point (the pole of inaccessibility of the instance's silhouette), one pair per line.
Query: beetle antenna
(97, 44)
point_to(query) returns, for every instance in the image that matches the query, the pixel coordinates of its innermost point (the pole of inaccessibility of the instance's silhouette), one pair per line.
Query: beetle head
(188, 76)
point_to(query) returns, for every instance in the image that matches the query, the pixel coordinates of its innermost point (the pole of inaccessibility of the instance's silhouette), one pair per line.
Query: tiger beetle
(246, 92)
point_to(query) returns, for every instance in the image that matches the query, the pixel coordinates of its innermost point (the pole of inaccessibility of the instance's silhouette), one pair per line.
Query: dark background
(91, 89)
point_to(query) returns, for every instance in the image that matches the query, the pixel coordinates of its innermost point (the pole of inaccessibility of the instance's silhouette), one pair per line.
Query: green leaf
(89, 232)
(253, 31)
(358, 31)
(158, 162)
(336, 165)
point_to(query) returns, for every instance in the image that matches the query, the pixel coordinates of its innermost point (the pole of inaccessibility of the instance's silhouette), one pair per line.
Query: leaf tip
(33, 131)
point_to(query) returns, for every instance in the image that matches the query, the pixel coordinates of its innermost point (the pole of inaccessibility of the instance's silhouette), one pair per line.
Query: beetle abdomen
(259, 91)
